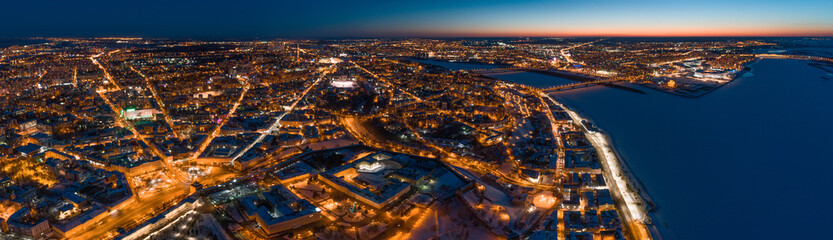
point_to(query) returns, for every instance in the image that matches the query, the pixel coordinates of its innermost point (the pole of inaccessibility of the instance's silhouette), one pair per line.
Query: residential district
(128, 138)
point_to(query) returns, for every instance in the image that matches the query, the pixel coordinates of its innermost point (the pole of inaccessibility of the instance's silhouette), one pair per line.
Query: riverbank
(634, 182)
(454, 66)
(630, 195)
(717, 164)
(696, 87)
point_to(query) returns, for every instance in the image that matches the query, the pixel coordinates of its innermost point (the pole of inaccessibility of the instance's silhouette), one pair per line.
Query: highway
(369, 137)
(75, 77)
(565, 50)
(132, 215)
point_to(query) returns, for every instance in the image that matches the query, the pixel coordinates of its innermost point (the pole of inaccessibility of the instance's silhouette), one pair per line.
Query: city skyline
(265, 19)
(415, 120)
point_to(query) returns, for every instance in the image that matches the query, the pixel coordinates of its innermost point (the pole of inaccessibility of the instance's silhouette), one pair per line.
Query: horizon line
(429, 36)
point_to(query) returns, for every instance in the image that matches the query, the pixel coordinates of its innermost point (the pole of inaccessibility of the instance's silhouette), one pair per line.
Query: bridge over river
(585, 80)
(582, 80)
(579, 85)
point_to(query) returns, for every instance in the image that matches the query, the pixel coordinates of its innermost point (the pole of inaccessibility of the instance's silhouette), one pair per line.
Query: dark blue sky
(330, 18)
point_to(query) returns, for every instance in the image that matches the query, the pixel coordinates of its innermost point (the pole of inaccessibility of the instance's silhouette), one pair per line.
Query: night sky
(426, 18)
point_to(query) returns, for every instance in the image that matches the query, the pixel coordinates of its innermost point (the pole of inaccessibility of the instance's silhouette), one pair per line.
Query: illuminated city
(398, 136)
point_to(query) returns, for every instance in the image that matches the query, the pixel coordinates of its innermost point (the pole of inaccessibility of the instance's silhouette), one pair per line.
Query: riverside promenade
(629, 196)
